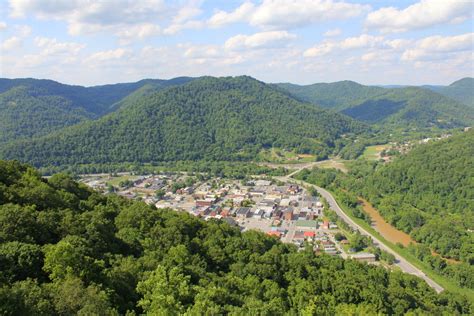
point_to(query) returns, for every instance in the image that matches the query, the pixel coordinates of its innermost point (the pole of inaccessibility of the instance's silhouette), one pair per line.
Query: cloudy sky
(92, 42)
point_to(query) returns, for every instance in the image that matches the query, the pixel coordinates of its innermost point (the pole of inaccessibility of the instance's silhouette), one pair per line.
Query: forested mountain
(66, 250)
(31, 107)
(461, 90)
(407, 107)
(208, 118)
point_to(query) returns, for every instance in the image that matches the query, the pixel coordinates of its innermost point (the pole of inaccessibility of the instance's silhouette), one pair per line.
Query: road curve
(401, 262)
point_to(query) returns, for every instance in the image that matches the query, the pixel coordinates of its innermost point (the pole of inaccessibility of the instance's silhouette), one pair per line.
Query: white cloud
(271, 39)
(85, 16)
(278, 14)
(350, 43)
(178, 27)
(240, 14)
(3, 26)
(11, 43)
(51, 46)
(439, 47)
(23, 30)
(423, 14)
(108, 55)
(332, 33)
(140, 31)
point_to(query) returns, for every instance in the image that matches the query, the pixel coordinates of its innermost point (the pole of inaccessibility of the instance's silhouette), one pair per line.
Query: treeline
(218, 119)
(66, 250)
(222, 169)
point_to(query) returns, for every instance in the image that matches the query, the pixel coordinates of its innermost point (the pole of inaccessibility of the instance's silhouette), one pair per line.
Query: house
(309, 234)
(364, 257)
(243, 212)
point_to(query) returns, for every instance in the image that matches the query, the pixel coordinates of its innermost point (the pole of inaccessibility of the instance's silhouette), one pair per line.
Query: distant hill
(337, 95)
(32, 107)
(208, 118)
(395, 107)
(461, 90)
(412, 107)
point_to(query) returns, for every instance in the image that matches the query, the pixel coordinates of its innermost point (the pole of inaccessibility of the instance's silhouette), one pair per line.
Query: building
(288, 214)
(243, 212)
(364, 257)
(306, 224)
(258, 214)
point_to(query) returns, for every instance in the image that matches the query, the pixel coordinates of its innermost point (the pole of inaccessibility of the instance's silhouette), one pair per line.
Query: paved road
(401, 262)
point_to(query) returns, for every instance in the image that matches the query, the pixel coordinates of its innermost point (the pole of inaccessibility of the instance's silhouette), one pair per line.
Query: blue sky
(301, 41)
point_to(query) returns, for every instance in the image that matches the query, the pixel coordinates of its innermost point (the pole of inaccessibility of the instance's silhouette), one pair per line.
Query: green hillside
(27, 112)
(208, 118)
(461, 90)
(66, 250)
(406, 107)
(32, 107)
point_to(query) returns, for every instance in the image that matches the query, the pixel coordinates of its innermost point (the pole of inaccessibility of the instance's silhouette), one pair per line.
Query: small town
(286, 211)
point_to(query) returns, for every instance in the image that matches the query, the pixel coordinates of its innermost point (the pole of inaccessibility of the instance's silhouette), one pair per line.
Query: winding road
(401, 262)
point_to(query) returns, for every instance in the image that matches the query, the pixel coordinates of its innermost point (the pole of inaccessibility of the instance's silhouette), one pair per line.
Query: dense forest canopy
(66, 250)
(208, 118)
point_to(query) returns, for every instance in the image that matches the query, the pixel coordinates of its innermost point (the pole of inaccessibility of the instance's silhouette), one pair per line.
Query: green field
(373, 152)
(283, 156)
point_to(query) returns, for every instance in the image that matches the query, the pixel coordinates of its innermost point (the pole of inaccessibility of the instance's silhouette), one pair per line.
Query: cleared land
(373, 152)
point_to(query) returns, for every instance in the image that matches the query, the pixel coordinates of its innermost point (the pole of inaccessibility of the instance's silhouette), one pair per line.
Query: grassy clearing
(116, 180)
(334, 164)
(373, 152)
(283, 156)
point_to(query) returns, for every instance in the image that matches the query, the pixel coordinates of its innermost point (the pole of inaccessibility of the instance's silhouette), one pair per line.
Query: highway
(401, 262)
